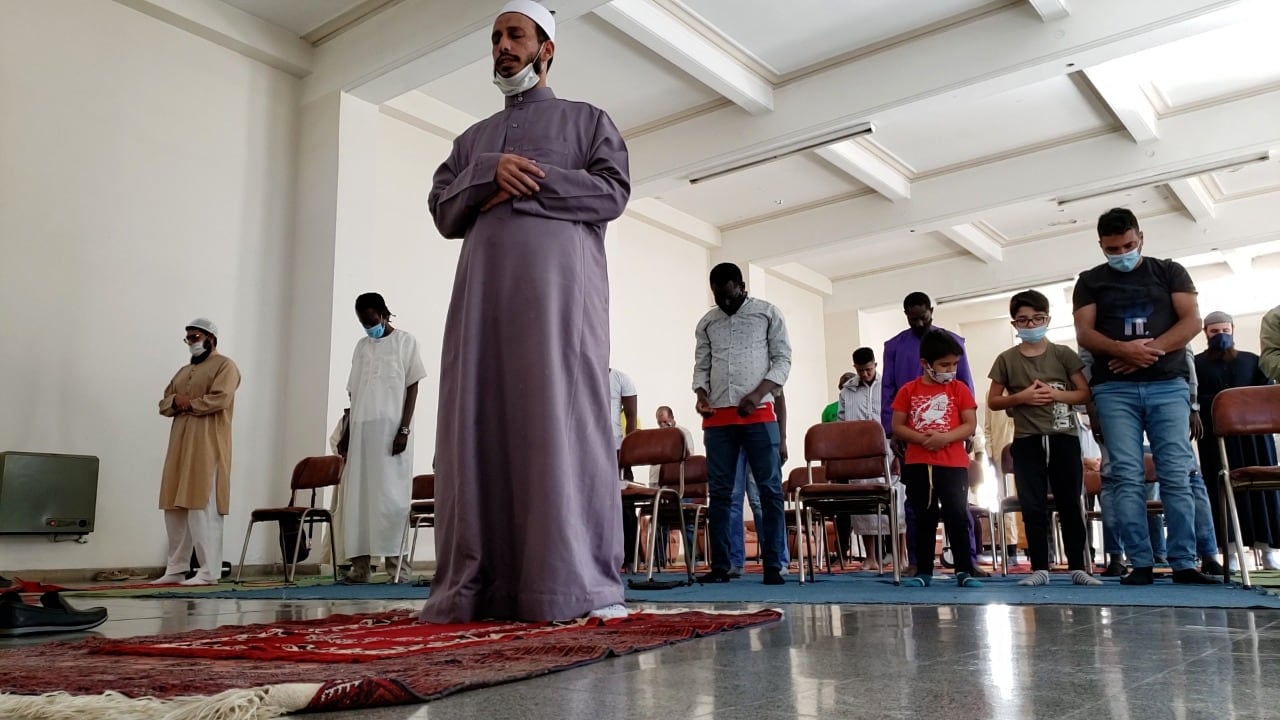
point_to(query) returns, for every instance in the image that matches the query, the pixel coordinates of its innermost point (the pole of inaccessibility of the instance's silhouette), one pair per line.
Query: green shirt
(1016, 372)
(831, 413)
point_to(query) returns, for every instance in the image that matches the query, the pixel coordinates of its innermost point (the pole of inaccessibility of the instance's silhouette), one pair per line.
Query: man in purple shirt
(901, 366)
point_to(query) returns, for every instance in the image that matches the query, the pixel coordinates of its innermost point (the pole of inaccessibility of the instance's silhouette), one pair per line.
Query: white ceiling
(983, 117)
(788, 36)
(297, 16)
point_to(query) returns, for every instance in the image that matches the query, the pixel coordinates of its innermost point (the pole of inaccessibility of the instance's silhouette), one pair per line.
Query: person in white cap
(195, 489)
(527, 512)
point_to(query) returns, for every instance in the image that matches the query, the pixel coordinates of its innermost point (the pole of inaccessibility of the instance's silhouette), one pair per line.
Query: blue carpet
(854, 589)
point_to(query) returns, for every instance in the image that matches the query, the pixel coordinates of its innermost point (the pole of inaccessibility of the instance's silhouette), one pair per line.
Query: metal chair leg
(244, 549)
(799, 542)
(333, 549)
(1235, 517)
(895, 541)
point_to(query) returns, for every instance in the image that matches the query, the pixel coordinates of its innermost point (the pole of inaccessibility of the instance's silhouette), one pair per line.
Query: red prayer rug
(342, 662)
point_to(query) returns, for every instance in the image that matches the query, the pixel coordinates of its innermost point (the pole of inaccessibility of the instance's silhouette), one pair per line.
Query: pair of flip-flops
(119, 575)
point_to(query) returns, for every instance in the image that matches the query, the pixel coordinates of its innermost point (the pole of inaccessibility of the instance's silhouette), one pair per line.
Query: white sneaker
(1271, 559)
(609, 612)
(170, 579)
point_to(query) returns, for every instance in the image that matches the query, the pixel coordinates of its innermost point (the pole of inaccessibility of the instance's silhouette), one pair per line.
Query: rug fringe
(255, 704)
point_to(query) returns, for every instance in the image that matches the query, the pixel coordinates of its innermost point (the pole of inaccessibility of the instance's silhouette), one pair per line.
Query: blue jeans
(744, 483)
(1206, 541)
(1162, 410)
(759, 442)
(1155, 525)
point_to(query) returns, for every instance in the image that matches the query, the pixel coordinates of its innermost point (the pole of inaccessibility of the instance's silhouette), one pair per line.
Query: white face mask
(197, 349)
(522, 81)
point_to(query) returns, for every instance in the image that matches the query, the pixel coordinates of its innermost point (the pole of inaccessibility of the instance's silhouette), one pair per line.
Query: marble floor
(833, 661)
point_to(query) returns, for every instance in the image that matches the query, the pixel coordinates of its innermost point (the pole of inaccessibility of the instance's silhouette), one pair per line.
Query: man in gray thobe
(527, 500)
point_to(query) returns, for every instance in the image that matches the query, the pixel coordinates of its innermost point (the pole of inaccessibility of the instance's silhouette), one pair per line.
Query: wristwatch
(1195, 407)
(404, 431)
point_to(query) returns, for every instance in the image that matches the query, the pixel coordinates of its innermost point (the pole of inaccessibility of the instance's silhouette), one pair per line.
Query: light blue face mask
(1125, 262)
(1032, 335)
(376, 331)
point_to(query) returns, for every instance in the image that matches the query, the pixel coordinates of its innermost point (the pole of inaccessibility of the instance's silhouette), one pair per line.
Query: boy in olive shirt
(1038, 382)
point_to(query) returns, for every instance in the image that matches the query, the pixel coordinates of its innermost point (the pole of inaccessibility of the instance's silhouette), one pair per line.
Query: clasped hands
(1135, 355)
(515, 178)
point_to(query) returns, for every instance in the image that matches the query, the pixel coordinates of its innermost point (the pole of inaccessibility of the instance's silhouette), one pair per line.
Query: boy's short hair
(938, 344)
(864, 355)
(1033, 299)
(1117, 221)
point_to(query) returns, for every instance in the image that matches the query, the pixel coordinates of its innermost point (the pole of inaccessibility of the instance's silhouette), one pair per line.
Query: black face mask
(732, 305)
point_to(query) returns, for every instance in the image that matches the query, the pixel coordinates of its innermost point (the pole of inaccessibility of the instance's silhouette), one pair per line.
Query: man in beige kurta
(195, 491)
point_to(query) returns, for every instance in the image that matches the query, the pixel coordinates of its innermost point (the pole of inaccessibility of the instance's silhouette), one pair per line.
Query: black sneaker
(1114, 569)
(715, 576)
(53, 614)
(1192, 576)
(1212, 568)
(1139, 576)
(774, 577)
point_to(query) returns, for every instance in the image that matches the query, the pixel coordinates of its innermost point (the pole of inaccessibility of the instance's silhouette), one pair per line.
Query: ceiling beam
(978, 243)
(1240, 224)
(1051, 10)
(1195, 198)
(1189, 139)
(866, 168)
(801, 275)
(907, 78)
(678, 223)
(234, 29)
(1124, 96)
(411, 44)
(673, 40)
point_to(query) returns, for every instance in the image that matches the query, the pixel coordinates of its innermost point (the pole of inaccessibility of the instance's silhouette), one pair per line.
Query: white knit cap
(535, 12)
(204, 324)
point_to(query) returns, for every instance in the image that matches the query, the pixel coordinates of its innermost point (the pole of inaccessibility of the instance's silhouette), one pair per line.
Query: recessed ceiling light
(779, 202)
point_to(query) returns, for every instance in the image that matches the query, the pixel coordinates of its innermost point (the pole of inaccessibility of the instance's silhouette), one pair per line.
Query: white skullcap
(1217, 316)
(204, 324)
(535, 12)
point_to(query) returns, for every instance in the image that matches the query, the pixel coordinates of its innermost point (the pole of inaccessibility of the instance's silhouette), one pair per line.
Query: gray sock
(1039, 577)
(1080, 577)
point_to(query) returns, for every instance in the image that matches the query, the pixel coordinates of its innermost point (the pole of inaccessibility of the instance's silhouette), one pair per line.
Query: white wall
(146, 179)
(809, 390)
(658, 290)
(842, 338)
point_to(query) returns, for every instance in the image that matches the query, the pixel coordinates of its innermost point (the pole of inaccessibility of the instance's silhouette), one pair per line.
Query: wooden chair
(311, 474)
(422, 513)
(800, 521)
(1239, 412)
(856, 462)
(659, 446)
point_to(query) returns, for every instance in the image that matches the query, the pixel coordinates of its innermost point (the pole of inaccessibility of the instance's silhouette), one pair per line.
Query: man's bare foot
(871, 566)
(909, 571)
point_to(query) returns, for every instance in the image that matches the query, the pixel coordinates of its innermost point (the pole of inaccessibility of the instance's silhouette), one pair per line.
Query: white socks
(1039, 577)
(170, 579)
(609, 612)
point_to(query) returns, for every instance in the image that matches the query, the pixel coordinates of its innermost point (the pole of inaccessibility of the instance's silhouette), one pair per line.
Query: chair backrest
(853, 440)
(853, 470)
(1006, 459)
(316, 472)
(695, 472)
(1247, 411)
(424, 487)
(652, 447)
(1092, 483)
(799, 477)
(313, 473)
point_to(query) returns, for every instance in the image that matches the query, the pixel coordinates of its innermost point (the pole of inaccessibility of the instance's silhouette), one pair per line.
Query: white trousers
(201, 529)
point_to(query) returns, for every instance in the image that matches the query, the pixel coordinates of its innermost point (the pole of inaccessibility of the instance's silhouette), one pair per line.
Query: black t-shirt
(1134, 305)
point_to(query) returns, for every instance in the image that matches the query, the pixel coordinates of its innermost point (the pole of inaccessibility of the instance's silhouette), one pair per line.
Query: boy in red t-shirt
(934, 415)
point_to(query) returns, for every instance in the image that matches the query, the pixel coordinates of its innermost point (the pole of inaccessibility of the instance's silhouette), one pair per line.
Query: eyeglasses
(1031, 322)
(192, 339)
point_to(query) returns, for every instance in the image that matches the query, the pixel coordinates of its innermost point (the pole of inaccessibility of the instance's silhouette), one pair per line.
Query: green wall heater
(47, 494)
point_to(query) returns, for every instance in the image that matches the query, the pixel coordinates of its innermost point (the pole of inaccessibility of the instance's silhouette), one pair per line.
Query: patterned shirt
(734, 353)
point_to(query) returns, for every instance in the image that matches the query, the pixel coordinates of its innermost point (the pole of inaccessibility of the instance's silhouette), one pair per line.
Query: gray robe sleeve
(458, 192)
(596, 194)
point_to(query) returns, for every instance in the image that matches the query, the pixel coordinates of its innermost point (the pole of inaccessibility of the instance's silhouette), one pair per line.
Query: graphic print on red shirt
(935, 409)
